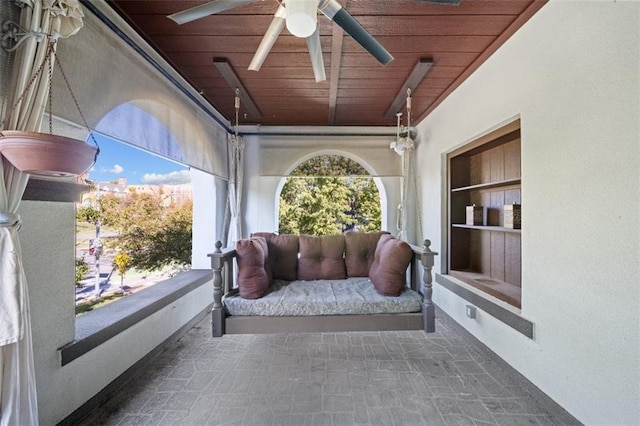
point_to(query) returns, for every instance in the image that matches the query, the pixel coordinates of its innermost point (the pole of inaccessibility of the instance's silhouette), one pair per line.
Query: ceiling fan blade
(315, 52)
(333, 10)
(206, 9)
(269, 39)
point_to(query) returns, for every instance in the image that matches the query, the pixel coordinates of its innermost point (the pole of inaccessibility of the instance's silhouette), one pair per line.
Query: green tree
(151, 232)
(82, 269)
(329, 165)
(329, 194)
(104, 209)
(365, 203)
(155, 238)
(122, 261)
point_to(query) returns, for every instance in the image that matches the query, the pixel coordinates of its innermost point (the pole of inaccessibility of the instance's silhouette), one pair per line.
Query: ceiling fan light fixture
(302, 17)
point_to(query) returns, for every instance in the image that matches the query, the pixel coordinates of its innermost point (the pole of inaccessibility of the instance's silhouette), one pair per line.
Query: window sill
(96, 327)
(43, 189)
(496, 308)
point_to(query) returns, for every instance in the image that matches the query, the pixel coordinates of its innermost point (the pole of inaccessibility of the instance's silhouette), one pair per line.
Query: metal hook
(12, 33)
(237, 108)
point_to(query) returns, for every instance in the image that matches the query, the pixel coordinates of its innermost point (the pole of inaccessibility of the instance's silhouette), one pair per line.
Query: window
(133, 226)
(329, 194)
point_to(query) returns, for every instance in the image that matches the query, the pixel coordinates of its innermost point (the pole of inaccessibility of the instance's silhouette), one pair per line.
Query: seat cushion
(321, 258)
(353, 296)
(283, 255)
(253, 276)
(389, 267)
(360, 248)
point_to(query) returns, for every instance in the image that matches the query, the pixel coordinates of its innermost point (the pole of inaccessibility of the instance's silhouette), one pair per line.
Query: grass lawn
(90, 305)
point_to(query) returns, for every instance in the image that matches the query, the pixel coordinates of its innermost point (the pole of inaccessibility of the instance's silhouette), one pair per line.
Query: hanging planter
(45, 154)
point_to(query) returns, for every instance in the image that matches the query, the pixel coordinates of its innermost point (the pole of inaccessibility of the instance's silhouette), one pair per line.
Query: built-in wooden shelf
(508, 315)
(497, 288)
(487, 228)
(488, 185)
(486, 172)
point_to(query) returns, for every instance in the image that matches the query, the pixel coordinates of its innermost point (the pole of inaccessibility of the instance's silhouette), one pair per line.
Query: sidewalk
(133, 282)
(110, 282)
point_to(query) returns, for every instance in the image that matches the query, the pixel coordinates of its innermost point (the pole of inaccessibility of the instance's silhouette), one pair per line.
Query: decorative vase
(45, 154)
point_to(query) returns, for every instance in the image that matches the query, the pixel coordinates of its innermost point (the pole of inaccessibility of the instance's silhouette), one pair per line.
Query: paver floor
(351, 378)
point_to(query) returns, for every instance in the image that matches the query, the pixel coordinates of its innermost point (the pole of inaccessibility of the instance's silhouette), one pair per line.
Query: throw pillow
(321, 258)
(283, 255)
(253, 279)
(360, 248)
(389, 267)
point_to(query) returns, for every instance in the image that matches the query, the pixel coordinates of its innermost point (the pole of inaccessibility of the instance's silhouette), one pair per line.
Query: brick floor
(369, 378)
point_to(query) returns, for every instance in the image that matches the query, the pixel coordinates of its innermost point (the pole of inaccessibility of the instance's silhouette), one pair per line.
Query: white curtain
(234, 200)
(403, 216)
(57, 18)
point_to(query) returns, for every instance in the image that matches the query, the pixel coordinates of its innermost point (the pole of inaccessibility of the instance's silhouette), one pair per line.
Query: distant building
(171, 194)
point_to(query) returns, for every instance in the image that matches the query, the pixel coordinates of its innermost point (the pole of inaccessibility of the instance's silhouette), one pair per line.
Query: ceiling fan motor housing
(301, 17)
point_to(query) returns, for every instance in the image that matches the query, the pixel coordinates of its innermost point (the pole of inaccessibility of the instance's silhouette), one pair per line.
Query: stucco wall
(572, 75)
(48, 246)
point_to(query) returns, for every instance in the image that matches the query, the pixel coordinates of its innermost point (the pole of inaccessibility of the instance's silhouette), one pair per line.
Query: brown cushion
(283, 255)
(321, 258)
(360, 248)
(389, 265)
(253, 279)
(265, 248)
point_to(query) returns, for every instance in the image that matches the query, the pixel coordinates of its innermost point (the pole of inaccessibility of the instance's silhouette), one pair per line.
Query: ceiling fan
(300, 17)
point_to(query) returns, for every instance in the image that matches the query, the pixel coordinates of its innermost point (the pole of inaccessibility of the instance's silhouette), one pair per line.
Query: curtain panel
(233, 214)
(55, 18)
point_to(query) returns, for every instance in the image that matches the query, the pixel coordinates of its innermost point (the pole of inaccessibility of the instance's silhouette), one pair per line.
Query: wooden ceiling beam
(358, 91)
(417, 74)
(337, 36)
(228, 73)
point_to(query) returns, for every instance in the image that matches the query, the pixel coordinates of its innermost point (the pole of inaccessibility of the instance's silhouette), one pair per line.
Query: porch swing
(355, 281)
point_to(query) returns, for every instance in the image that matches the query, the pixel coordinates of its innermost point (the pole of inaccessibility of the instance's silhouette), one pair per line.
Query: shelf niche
(486, 172)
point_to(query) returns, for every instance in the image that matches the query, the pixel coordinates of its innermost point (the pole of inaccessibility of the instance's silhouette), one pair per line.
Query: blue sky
(117, 160)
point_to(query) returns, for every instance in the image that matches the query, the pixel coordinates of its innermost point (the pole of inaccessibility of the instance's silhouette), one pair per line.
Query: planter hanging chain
(73, 96)
(26, 90)
(50, 78)
(47, 59)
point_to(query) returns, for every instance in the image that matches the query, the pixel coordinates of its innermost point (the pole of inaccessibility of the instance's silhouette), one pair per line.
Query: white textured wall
(48, 246)
(572, 74)
(47, 237)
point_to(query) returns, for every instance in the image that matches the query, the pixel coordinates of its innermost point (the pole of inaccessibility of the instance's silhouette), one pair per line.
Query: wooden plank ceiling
(358, 90)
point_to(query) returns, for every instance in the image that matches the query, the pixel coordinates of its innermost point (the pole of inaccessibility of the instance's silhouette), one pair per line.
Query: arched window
(329, 194)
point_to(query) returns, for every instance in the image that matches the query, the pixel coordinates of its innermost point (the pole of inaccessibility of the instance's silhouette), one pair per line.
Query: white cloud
(172, 178)
(116, 169)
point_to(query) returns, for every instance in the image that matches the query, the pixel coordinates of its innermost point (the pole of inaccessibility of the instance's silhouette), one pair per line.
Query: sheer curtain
(403, 215)
(56, 18)
(234, 200)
